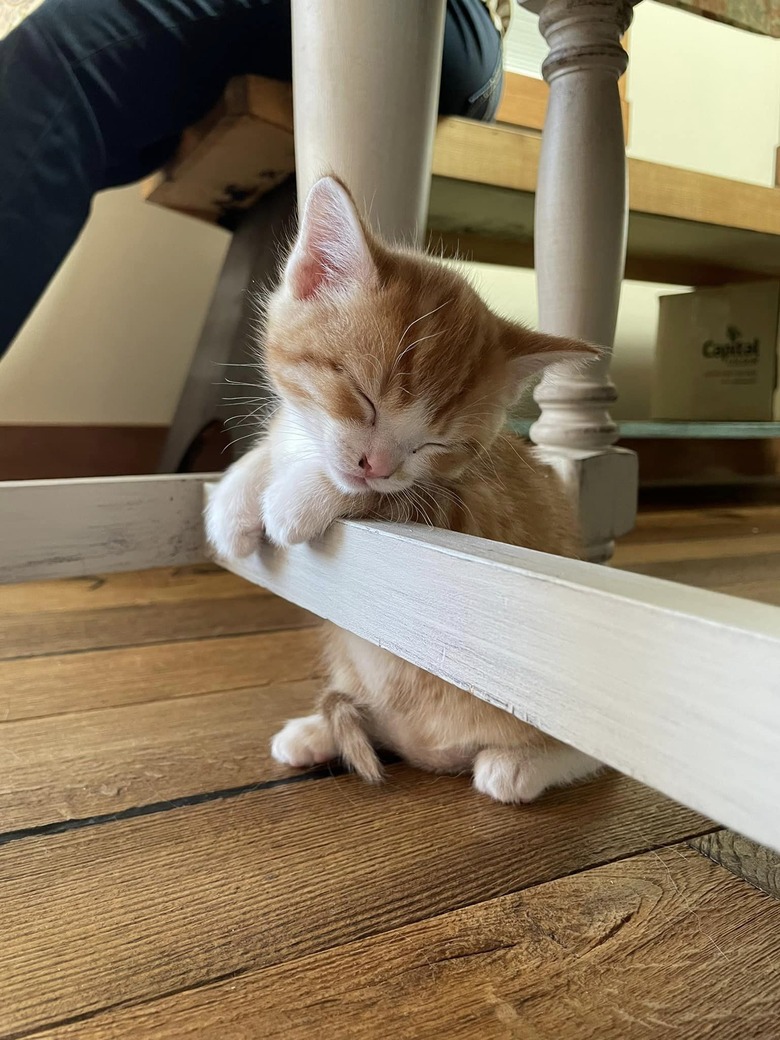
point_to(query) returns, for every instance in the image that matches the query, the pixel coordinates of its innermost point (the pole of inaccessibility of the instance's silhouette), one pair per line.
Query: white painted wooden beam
(68, 528)
(675, 686)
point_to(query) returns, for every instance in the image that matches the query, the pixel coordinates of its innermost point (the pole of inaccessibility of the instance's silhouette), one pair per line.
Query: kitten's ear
(331, 253)
(530, 352)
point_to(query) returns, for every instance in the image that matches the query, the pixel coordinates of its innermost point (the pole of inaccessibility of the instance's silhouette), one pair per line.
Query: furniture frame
(672, 685)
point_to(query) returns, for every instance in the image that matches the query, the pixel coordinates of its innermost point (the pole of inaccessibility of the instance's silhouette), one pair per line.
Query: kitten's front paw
(230, 540)
(304, 742)
(291, 516)
(234, 524)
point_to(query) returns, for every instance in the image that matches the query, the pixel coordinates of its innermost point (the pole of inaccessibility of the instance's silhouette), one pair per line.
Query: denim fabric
(96, 93)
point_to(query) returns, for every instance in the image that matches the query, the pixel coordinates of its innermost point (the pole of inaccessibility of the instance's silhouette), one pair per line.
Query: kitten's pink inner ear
(331, 252)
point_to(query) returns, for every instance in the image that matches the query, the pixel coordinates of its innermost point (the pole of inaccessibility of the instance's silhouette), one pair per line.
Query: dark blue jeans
(96, 93)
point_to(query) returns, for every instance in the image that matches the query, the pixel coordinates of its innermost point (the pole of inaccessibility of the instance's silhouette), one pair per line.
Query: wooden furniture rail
(677, 687)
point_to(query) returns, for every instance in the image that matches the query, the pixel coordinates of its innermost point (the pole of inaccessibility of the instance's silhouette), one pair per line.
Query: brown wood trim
(515, 252)
(523, 101)
(690, 462)
(43, 452)
(507, 252)
(507, 157)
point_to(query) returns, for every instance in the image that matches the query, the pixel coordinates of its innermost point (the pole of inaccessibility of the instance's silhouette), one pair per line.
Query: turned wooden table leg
(580, 244)
(365, 89)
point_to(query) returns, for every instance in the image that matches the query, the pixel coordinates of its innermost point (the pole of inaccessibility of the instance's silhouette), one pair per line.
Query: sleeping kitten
(395, 380)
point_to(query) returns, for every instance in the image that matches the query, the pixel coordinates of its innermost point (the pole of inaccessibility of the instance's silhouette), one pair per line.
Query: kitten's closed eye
(371, 406)
(430, 444)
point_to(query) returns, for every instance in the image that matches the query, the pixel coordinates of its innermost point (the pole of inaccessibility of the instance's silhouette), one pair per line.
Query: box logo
(734, 351)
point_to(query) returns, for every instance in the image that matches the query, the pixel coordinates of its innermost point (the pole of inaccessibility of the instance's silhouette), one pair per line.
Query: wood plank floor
(161, 877)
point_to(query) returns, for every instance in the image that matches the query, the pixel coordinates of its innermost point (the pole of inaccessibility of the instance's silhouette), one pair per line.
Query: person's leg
(95, 93)
(472, 67)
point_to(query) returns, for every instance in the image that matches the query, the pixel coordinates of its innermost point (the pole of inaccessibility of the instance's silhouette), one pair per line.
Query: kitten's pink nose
(378, 464)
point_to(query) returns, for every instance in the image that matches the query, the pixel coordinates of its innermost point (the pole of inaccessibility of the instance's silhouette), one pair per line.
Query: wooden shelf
(684, 227)
(668, 430)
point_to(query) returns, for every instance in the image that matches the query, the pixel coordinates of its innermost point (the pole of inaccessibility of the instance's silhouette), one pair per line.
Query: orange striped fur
(395, 383)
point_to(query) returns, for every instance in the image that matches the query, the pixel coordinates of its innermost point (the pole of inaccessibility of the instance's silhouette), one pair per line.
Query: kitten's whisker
(245, 437)
(416, 511)
(412, 510)
(421, 318)
(426, 501)
(484, 455)
(508, 439)
(234, 364)
(416, 343)
(423, 505)
(243, 420)
(456, 499)
(236, 418)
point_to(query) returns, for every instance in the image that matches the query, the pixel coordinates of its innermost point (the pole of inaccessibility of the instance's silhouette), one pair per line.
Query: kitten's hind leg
(304, 742)
(522, 774)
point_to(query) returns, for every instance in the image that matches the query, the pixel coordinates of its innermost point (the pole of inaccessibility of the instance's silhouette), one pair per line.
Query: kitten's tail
(348, 726)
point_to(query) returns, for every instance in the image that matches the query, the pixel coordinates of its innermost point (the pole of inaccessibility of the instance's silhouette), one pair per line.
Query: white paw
(505, 777)
(291, 514)
(234, 522)
(231, 537)
(522, 774)
(304, 742)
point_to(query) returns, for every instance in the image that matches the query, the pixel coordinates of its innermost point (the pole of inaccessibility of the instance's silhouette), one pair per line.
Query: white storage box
(716, 353)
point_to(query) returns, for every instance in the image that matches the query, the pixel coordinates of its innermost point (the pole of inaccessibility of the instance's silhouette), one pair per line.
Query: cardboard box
(716, 354)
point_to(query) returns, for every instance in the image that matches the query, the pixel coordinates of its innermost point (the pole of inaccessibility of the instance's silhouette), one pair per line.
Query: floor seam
(239, 972)
(326, 772)
(160, 642)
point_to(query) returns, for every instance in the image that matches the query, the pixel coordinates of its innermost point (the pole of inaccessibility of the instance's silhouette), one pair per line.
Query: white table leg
(365, 90)
(580, 243)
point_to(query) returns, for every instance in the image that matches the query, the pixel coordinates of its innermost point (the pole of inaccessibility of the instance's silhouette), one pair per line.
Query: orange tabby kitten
(395, 380)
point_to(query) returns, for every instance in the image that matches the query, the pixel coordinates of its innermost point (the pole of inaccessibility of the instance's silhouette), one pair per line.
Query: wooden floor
(160, 876)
